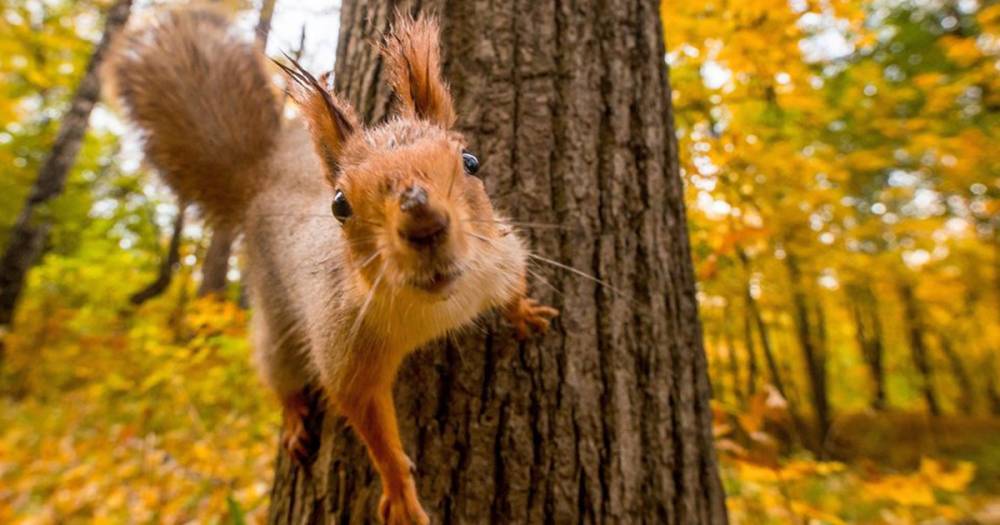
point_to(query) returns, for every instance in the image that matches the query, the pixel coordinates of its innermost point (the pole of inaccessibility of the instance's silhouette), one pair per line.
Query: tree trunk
(765, 340)
(812, 353)
(748, 342)
(966, 399)
(734, 363)
(215, 267)
(606, 419)
(167, 267)
(918, 347)
(263, 29)
(992, 389)
(868, 333)
(27, 238)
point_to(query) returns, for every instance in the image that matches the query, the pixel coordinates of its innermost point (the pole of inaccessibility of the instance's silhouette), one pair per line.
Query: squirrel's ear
(331, 120)
(413, 57)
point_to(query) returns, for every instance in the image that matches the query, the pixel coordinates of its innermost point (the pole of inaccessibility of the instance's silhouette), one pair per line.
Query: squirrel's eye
(470, 162)
(341, 208)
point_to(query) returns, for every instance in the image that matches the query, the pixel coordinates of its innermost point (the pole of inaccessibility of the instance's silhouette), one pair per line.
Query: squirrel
(362, 243)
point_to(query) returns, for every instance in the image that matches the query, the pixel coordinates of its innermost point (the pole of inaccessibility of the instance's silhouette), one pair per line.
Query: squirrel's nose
(422, 226)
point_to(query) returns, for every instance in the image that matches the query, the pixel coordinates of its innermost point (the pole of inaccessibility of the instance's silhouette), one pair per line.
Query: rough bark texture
(605, 419)
(27, 238)
(167, 267)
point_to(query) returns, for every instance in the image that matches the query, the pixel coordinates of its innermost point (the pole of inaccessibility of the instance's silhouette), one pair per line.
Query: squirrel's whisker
(544, 281)
(527, 224)
(369, 260)
(364, 306)
(581, 273)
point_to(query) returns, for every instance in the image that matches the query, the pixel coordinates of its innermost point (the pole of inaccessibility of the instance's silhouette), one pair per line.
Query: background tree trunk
(812, 352)
(734, 363)
(170, 262)
(918, 346)
(748, 342)
(606, 419)
(992, 389)
(868, 332)
(27, 238)
(215, 267)
(966, 399)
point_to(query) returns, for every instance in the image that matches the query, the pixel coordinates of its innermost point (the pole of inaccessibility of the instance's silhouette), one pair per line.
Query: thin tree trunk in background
(263, 29)
(913, 322)
(606, 419)
(28, 236)
(297, 55)
(215, 267)
(168, 266)
(868, 333)
(812, 355)
(748, 342)
(966, 399)
(734, 364)
(765, 344)
(992, 389)
(762, 331)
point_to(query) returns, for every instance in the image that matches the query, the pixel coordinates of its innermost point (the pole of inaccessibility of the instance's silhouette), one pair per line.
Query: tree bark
(913, 321)
(27, 238)
(606, 419)
(168, 266)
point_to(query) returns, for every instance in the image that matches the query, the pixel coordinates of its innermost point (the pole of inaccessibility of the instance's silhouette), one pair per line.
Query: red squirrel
(362, 243)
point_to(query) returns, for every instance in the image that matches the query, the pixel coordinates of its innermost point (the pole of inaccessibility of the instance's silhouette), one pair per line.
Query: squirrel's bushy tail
(202, 98)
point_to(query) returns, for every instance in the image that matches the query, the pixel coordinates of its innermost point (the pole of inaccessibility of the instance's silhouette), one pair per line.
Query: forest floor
(157, 416)
(889, 467)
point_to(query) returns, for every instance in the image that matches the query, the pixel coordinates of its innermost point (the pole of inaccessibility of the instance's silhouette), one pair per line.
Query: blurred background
(842, 175)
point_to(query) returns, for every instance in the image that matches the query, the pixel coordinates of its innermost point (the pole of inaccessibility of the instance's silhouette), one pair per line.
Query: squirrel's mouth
(436, 281)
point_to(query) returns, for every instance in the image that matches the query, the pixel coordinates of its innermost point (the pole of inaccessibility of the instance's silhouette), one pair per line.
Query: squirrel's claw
(295, 435)
(402, 511)
(526, 314)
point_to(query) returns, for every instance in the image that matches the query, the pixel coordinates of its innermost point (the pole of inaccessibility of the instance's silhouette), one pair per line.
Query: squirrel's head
(407, 193)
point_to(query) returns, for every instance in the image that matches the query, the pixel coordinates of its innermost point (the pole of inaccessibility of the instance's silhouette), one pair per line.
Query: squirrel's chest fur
(307, 297)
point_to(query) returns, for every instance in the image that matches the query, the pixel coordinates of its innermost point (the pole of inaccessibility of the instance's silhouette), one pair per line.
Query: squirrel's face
(406, 192)
(412, 205)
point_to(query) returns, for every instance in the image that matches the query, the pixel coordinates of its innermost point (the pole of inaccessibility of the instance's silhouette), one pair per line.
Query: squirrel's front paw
(295, 435)
(402, 510)
(526, 313)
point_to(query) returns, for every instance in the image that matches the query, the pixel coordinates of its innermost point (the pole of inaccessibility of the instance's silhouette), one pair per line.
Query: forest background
(842, 180)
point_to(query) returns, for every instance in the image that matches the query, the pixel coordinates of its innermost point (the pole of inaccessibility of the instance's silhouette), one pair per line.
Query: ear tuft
(331, 120)
(412, 53)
